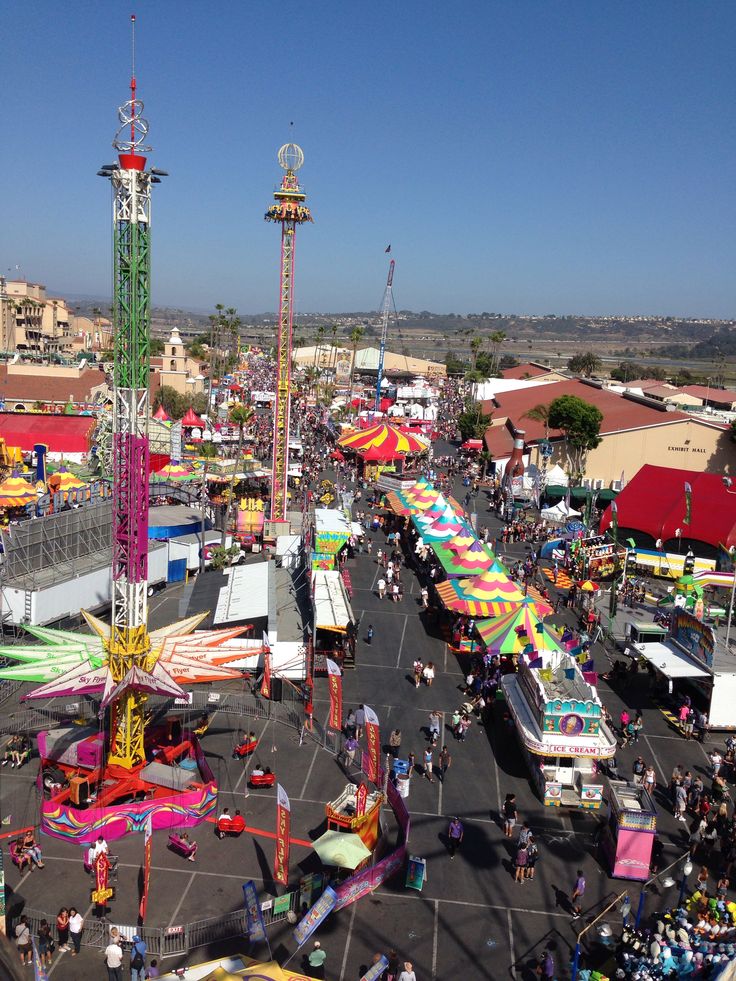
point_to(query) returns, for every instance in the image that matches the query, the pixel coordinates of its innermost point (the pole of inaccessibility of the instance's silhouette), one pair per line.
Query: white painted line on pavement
(512, 967)
(347, 943)
(401, 642)
(317, 748)
(434, 939)
(462, 902)
(181, 900)
(665, 778)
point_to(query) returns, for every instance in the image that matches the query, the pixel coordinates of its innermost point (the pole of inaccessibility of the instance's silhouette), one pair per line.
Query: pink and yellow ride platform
(90, 786)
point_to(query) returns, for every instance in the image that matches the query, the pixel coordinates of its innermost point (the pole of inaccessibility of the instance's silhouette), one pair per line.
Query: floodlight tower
(128, 643)
(385, 312)
(289, 210)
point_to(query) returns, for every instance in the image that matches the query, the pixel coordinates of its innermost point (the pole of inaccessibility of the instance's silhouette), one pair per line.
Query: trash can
(402, 784)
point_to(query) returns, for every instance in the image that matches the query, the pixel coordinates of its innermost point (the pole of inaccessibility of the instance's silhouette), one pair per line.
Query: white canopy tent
(561, 513)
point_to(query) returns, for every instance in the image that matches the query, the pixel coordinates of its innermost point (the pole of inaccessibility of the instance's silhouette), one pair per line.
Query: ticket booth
(628, 835)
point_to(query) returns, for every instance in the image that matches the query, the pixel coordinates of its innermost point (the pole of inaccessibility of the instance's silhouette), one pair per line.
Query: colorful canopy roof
(63, 480)
(492, 585)
(516, 631)
(389, 440)
(476, 558)
(161, 414)
(455, 598)
(16, 492)
(345, 851)
(463, 540)
(423, 499)
(174, 471)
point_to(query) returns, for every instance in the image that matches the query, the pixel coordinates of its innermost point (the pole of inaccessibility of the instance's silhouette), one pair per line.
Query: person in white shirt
(76, 925)
(114, 961)
(408, 973)
(99, 846)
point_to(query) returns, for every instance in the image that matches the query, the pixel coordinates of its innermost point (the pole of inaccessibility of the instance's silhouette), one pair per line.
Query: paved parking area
(471, 920)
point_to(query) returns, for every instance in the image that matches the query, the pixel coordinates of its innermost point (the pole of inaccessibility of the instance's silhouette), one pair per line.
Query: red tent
(161, 414)
(472, 444)
(191, 420)
(654, 502)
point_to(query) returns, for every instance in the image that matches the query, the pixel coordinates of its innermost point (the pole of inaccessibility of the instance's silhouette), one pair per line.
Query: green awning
(555, 490)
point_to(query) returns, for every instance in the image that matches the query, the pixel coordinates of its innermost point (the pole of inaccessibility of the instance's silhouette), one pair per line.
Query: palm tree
(318, 343)
(497, 338)
(208, 451)
(240, 415)
(334, 345)
(355, 336)
(540, 413)
(476, 343)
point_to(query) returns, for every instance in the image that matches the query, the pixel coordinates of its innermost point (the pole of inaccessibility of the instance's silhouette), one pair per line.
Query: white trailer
(187, 547)
(57, 594)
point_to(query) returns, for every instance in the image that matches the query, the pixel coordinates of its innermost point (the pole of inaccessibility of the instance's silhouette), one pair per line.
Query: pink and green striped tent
(514, 632)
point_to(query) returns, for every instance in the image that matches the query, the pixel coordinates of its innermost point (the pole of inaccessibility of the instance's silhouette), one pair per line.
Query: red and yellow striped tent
(15, 492)
(388, 442)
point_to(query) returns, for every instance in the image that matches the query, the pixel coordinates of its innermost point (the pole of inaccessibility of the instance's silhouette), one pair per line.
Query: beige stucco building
(176, 369)
(32, 322)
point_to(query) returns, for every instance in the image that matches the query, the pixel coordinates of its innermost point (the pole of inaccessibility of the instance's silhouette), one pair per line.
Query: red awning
(472, 444)
(61, 433)
(653, 502)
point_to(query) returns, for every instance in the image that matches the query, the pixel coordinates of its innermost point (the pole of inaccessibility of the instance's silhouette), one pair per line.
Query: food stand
(560, 726)
(628, 835)
(601, 556)
(249, 523)
(334, 623)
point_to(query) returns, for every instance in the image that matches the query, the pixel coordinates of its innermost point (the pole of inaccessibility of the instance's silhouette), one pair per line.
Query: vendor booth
(628, 834)
(356, 811)
(334, 625)
(561, 730)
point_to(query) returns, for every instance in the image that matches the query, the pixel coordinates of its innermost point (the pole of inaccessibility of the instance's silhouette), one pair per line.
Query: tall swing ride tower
(128, 644)
(289, 211)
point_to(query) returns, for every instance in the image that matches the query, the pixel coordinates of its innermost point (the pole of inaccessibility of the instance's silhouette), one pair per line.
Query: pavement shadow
(269, 883)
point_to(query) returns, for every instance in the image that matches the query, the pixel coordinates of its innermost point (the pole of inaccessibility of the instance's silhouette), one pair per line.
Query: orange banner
(361, 799)
(283, 825)
(266, 683)
(148, 841)
(335, 684)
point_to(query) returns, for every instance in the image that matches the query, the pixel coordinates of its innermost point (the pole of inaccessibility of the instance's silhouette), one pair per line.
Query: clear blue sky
(567, 157)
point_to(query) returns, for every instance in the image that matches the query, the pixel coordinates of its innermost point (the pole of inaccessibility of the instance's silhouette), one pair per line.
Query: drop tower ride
(289, 211)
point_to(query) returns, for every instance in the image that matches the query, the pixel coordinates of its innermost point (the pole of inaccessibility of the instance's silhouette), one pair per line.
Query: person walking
(638, 767)
(394, 743)
(455, 834)
(418, 668)
(444, 761)
(509, 814)
(435, 723)
(76, 925)
(359, 720)
(428, 674)
(425, 597)
(114, 961)
(316, 960)
(369, 634)
(349, 749)
(650, 780)
(532, 855)
(428, 764)
(577, 894)
(381, 587)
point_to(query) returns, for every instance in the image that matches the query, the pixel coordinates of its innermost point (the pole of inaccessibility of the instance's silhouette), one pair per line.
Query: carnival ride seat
(182, 846)
(262, 778)
(18, 857)
(245, 749)
(230, 825)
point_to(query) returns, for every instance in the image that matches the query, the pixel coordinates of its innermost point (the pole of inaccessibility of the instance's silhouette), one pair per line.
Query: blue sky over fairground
(520, 157)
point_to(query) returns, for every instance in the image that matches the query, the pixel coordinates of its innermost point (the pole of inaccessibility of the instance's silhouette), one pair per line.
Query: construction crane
(385, 311)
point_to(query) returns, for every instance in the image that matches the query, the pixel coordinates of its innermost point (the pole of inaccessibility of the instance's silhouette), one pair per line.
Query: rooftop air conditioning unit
(587, 483)
(597, 485)
(616, 485)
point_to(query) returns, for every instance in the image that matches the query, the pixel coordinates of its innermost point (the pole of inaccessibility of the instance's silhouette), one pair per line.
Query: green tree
(580, 423)
(355, 336)
(627, 371)
(540, 413)
(585, 364)
(174, 403)
(497, 338)
(220, 556)
(473, 422)
(453, 364)
(476, 343)
(156, 346)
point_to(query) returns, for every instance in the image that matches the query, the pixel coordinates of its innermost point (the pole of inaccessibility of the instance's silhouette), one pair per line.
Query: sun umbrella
(346, 851)
(588, 586)
(15, 492)
(174, 471)
(63, 480)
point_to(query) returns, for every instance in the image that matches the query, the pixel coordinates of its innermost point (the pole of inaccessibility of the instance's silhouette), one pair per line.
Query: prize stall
(559, 721)
(600, 556)
(356, 811)
(249, 525)
(628, 835)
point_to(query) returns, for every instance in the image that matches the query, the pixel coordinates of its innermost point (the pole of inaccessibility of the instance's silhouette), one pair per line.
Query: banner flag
(375, 971)
(283, 827)
(361, 799)
(266, 683)
(255, 924)
(688, 504)
(147, 846)
(316, 915)
(614, 520)
(373, 738)
(39, 971)
(334, 680)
